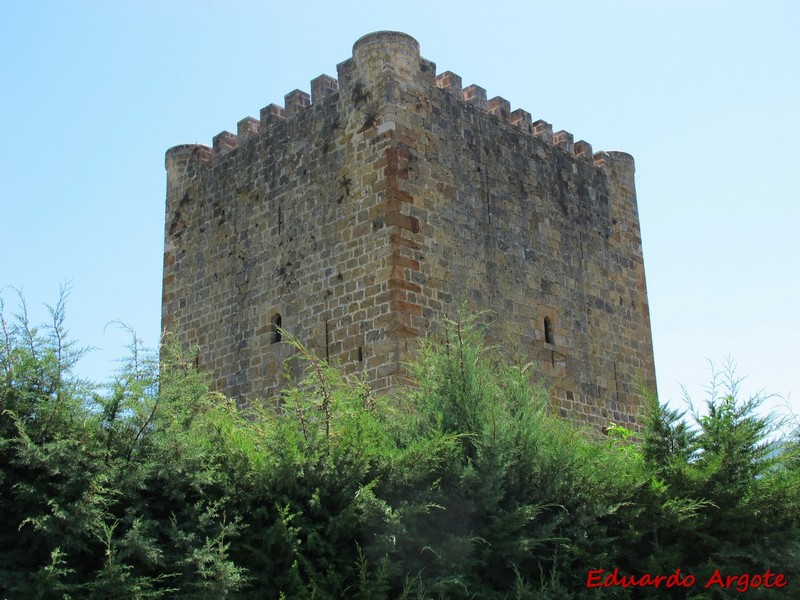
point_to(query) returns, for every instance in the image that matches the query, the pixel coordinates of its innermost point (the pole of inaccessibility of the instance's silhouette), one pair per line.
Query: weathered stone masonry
(358, 216)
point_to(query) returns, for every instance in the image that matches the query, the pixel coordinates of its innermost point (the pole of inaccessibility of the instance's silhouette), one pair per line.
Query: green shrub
(462, 486)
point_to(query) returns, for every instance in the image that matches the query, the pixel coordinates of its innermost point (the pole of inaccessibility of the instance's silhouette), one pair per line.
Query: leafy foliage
(463, 486)
(727, 495)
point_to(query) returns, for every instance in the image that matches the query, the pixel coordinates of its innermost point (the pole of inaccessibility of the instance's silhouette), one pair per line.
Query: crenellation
(345, 73)
(272, 113)
(295, 101)
(451, 82)
(427, 70)
(396, 53)
(322, 87)
(382, 212)
(247, 128)
(499, 107)
(475, 95)
(224, 142)
(601, 159)
(542, 130)
(583, 149)
(325, 85)
(521, 119)
(564, 140)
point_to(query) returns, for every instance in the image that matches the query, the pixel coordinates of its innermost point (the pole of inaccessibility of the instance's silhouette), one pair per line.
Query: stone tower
(358, 216)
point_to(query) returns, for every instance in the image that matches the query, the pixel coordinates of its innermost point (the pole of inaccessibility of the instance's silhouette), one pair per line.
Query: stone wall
(364, 213)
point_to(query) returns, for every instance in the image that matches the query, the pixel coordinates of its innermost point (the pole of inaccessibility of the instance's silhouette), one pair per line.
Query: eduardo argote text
(600, 578)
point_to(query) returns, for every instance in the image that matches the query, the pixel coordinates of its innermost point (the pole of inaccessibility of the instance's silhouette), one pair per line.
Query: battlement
(399, 54)
(359, 214)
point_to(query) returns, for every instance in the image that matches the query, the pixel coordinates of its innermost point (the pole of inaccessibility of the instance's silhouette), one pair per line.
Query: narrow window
(548, 330)
(276, 332)
(360, 354)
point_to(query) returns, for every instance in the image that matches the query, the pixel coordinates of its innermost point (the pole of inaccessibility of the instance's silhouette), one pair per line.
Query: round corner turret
(620, 157)
(183, 162)
(607, 157)
(618, 164)
(387, 50)
(178, 155)
(385, 38)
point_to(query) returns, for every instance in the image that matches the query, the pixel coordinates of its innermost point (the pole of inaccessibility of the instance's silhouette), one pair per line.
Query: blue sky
(704, 94)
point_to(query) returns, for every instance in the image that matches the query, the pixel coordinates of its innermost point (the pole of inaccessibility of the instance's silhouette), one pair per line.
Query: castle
(360, 215)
